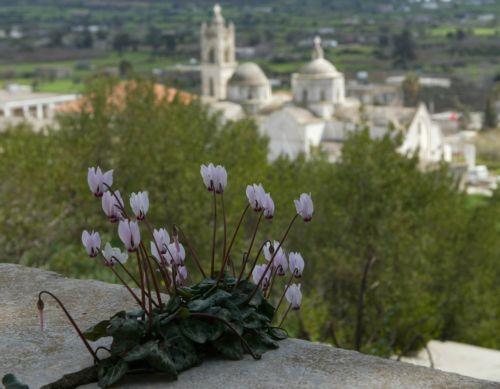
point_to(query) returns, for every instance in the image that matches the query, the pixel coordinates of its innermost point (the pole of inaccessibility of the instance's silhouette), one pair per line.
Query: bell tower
(217, 56)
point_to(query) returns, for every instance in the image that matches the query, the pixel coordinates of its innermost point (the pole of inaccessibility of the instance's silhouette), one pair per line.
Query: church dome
(318, 66)
(248, 73)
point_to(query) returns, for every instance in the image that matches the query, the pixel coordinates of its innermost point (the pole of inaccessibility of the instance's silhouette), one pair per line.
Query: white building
(317, 116)
(18, 104)
(318, 85)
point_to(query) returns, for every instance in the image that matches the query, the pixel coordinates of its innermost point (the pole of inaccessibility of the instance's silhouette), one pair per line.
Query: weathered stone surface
(38, 358)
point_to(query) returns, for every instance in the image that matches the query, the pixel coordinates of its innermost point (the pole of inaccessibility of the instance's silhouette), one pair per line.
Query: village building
(320, 112)
(18, 103)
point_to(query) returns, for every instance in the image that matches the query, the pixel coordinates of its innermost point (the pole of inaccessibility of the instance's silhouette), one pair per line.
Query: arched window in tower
(304, 96)
(322, 95)
(227, 55)
(211, 55)
(211, 91)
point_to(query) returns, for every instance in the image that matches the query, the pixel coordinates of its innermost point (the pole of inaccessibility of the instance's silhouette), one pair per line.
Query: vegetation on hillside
(395, 256)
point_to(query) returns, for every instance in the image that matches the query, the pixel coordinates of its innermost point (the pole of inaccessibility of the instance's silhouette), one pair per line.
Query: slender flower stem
(191, 249)
(257, 258)
(128, 288)
(121, 206)
(129, 274)
(73, 323)
(242, 270)
(150, 299)
(232, 240)
(225, 229)
(150, 229)
(284, 316)
(117, 275)
(283, 296)
(252, 241)
(276, 249)
(212, 263)
(153, 275)
(247, 346)
(273, 277)
(141, 276)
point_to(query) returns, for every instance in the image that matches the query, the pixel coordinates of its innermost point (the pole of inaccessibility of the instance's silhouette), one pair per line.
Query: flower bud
(296, 263)
(140, 204)
(129, 233)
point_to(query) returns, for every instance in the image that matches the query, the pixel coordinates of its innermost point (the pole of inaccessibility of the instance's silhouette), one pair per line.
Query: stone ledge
(39, 358)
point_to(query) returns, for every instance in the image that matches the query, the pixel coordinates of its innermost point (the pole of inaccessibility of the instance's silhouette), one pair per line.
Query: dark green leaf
(196, 329)
(96, 332)
(199, 305)
(173, 304)
(277, 333)
(11, 382)
(160, 360)
(181, 349)
(112, 374)
(229, 345)
(140, 351)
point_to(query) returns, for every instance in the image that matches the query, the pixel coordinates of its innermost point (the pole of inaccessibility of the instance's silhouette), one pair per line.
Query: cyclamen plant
(228, 313)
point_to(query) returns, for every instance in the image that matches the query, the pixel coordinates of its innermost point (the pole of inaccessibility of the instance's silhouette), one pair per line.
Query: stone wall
(38, 358)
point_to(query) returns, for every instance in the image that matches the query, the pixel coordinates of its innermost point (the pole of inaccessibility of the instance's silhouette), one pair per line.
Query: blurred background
(386, 111)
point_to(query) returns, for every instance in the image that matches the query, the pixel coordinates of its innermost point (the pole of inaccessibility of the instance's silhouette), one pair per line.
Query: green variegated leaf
(109, 375)
(96, 332)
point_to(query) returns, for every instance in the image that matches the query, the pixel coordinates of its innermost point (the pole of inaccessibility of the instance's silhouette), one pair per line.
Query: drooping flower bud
(99, 182)
(129, 233)
(304, 206)
(296, 263)
(294, 296)
(112, 205)
(91, 242)
(114, 255)
(40, 305)
(256, 196)
(140, 204)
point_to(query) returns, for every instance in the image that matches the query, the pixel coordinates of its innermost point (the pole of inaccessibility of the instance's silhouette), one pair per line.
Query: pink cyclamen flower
(129, 233)
(114, 255)
(256, 197)
(294, 296)
(91, 242)
(296, 263)
(112, 205)
(280, 263)
(304, 206)
(268, 206)
(99, 182)
(257, 274)
(181, 275)
(162, 239)
(176, 254)
(140, 204)
(214, 177)
(269, 249)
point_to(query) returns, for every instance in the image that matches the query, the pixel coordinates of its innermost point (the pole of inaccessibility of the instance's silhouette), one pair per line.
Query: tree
(121, 42)
(85, 40)
(153, 38)
(490, 116)
(404, 48)
(411, 90)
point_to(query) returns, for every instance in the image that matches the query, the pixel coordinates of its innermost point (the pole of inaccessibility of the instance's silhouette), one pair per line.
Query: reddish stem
(212, 263)
(191, 249)
(73, 323)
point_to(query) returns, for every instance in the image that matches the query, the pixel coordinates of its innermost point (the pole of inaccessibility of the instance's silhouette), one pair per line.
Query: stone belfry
(217, 56)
